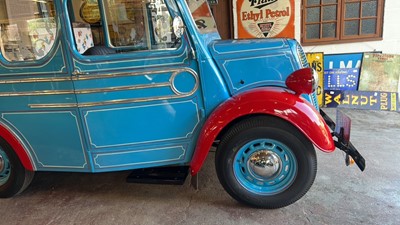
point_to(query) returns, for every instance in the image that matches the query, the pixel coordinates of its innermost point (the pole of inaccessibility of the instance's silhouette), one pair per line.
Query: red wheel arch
(278, 102)
(16, 145)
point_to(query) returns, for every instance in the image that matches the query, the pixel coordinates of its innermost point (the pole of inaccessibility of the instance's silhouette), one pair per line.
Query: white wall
(391, 34)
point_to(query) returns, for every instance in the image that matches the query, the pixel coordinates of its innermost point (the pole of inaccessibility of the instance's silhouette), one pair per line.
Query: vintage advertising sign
(374, 100)
(380, 72)
(332, 98)
(202, 15)
(341, 79)
(90, 11)
(340, 61)
(316, 61)
(264, 18)
(371, 100)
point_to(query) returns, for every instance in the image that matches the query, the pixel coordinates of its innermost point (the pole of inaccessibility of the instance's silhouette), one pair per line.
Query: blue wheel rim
(5, 167)
(263, 184)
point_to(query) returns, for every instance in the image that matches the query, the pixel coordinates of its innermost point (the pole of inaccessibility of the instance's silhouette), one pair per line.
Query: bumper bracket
(343, 143)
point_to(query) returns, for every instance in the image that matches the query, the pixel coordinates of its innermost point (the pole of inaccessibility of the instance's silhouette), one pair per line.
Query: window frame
(149, 27)
(340, 37)
(121, 53)
(36, 58)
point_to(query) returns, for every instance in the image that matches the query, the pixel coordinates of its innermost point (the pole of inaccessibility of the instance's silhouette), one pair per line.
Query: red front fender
(271, 101)
(16, 145)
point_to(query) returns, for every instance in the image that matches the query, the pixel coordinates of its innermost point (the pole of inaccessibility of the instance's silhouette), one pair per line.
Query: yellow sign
(361, 100)
(316, 61)
(90, 12)
(331, 98)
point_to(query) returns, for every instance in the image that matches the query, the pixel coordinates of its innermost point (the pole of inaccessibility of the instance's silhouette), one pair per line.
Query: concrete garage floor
(339, 195)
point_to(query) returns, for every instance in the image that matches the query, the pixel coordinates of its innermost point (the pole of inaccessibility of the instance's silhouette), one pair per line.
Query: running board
(159, 175)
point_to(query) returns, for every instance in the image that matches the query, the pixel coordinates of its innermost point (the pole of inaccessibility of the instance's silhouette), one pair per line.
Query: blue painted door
(37, 100)
(137, 87)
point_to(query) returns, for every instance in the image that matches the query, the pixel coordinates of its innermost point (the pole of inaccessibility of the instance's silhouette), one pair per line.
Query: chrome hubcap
(265, 164)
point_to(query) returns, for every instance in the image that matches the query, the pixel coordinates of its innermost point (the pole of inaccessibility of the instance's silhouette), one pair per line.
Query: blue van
(149, 86)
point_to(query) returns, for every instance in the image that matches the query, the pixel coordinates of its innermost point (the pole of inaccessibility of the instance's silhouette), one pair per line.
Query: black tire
(265, 162)
(14, 178)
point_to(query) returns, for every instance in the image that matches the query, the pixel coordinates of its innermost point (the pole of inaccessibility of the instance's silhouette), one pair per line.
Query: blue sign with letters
(341, 79)
(372, 100)
(337, 61)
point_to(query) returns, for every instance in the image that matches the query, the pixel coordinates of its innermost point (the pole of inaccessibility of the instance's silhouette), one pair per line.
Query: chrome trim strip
(110, 102)
(36, 93)
(35, 80)
(83, 91)
(171, 84)
(91, 77)
(122, 88)
(173, 87)
(175, 74)
(53, 105)
(127, 74)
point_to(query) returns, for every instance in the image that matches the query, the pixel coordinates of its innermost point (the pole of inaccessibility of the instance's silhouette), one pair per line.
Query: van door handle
(77, 73)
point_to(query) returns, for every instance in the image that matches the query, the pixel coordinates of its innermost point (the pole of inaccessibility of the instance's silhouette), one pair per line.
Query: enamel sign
(341, 79)
(264, 18)
(316, 61)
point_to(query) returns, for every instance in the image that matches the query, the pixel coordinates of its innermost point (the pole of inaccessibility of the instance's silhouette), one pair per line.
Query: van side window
(125, 26)
(27, 29)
